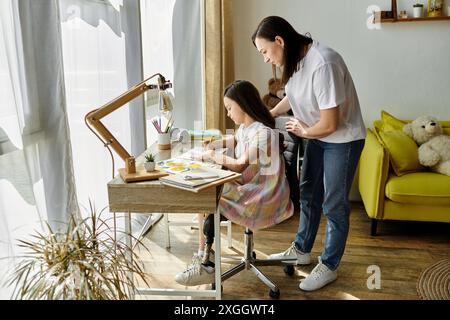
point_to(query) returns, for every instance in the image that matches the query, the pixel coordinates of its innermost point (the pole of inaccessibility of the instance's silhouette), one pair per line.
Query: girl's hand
(209, 145)
(297, 127)
(205, 156)
(208, 155)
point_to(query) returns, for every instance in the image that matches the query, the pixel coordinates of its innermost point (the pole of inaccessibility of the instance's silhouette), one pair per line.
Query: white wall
(403, 68)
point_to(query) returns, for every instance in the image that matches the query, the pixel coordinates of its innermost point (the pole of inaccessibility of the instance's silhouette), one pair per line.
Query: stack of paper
(196, 178)
(199, 174)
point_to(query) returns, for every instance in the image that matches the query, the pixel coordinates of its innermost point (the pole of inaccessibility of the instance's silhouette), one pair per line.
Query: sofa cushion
(389, 123)
(422, 188)
(403, 152)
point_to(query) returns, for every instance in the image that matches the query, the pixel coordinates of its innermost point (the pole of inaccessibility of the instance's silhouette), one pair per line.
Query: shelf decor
(433, 14)
(434, 8)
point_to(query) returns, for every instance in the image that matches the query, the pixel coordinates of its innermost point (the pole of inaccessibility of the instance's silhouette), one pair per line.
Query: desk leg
(217, 255)
(129, 245)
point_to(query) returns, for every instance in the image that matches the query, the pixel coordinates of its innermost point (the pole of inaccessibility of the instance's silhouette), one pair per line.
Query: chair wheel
(289, 270)
(274, 294)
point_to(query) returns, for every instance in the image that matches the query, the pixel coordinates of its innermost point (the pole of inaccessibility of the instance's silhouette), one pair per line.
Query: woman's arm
(281, 108)
(328, 123)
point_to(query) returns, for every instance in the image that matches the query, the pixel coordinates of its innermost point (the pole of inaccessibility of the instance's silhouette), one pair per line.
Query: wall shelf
(412, 19)
(392, 16)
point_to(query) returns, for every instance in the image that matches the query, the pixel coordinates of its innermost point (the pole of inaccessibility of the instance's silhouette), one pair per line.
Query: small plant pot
(149, 166)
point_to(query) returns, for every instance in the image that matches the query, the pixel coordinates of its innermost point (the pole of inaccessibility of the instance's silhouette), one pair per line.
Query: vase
(417, 12)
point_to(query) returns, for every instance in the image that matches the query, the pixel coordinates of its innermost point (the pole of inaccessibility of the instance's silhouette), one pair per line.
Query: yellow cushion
(402, 150)
(424, 188)
(389, 122)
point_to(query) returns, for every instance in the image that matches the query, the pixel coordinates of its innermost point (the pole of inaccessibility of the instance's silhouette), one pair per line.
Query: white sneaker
(292, 254)
(318, 278)
(196, 273)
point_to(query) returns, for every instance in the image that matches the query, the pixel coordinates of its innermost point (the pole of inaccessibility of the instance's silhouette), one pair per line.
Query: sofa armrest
(373, 172)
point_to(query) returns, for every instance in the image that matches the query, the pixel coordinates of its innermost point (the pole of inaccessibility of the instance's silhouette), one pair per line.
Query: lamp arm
(93, 118)
(134, 92)
(107, 137)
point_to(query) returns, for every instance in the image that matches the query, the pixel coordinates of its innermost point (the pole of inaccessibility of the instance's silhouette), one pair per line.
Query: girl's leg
(208, 231)
(201, 236)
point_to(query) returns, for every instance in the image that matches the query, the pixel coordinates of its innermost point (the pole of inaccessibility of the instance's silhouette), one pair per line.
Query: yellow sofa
(393, 185)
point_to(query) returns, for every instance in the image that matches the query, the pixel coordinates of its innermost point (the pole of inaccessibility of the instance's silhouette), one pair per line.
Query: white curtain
(36, 178)
(58, 61)
(102, 59)
(171, 40)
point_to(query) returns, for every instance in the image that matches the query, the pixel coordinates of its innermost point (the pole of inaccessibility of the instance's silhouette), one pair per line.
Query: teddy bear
(434, 146)
(276, 93)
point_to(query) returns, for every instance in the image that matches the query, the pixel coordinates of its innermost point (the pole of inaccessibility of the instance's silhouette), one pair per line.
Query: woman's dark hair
(245, 94)
(294, 42)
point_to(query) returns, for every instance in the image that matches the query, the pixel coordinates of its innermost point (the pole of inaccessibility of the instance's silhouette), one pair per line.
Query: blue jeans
(326, 178)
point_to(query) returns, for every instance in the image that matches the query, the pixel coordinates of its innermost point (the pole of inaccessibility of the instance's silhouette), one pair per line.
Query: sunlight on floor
(345, 296)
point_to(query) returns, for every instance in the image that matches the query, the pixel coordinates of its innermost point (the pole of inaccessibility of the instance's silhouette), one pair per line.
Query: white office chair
(192, 223)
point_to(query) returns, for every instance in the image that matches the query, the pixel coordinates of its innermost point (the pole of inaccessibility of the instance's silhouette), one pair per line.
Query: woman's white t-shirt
(322, 82)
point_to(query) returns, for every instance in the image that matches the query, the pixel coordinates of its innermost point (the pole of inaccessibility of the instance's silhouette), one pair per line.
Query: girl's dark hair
(294, 42)
(245, 94)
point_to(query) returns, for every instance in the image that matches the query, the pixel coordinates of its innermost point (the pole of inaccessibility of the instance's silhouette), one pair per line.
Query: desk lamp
(92, 120)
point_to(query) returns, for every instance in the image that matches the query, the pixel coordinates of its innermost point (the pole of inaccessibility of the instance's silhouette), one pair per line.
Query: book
(198, 179)
(199, 174)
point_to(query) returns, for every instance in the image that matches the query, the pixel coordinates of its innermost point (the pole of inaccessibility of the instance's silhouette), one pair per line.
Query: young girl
(260, 198)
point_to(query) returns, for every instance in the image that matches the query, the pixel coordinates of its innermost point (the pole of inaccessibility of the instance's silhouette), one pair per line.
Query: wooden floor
(402, 250)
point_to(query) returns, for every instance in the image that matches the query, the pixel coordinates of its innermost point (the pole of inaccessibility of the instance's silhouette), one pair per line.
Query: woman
(320, 92)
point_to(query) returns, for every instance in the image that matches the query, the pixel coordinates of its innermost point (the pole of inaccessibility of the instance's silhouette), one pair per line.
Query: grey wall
(403, 68)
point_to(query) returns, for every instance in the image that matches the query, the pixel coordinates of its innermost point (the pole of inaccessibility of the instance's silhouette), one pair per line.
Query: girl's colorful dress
(260, 198)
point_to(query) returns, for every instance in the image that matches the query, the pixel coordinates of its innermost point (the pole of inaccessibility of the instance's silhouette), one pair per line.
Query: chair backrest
(294, 148)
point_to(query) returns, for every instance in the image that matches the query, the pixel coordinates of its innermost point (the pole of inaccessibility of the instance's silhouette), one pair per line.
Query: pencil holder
(164, 141)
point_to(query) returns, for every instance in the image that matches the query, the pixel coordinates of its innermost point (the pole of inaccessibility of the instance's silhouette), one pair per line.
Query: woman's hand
(297, 127)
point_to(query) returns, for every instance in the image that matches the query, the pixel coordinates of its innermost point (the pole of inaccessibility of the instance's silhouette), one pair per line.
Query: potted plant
(417, 10)
(149, 162)
(84, 262)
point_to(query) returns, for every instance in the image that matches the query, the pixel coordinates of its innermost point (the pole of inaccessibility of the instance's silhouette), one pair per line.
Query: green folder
(215, 134)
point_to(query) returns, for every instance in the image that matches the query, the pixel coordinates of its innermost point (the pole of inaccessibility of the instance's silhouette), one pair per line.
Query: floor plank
(402, 250)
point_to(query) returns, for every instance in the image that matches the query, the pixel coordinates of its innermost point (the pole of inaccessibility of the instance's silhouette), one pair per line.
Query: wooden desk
(153, 197)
